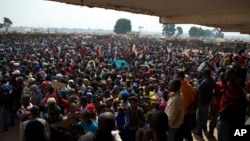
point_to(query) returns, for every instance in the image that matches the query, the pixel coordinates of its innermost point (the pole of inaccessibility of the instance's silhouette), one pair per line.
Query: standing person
(6, 101)
(205, 89)
(188, 94)
(159, 126)
(87, 124)
(106, 126)
(136, 118)
(163, 101)
(36, 95)
(215, 110)
(175, 109)
(51, 93)
(232, 108)
(34, 129)
(24, 110)
(158, 122)
(121, 121)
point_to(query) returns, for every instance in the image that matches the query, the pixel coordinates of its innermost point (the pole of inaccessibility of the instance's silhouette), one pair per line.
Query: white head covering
(16, 72)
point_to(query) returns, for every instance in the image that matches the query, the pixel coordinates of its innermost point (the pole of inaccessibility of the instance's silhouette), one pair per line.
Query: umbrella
(121, 63)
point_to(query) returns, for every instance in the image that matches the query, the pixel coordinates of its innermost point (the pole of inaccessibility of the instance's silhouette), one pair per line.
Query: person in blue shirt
(121, 121)
(87, 123)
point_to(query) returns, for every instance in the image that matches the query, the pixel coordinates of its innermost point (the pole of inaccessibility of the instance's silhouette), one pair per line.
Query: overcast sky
(42, 13)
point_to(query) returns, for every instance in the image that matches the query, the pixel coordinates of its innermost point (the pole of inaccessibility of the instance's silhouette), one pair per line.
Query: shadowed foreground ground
(13, 135)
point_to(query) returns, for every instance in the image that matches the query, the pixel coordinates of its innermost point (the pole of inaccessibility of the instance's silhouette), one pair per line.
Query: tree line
(6, 23)
(123, 26)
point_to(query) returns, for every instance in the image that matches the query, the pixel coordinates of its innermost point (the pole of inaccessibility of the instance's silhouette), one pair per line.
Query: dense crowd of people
(120, 88)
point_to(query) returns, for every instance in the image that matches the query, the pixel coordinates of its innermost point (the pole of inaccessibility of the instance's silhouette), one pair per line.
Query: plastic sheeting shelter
(121, 63)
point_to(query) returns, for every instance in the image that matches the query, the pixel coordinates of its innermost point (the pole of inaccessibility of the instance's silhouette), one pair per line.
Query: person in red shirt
(51, 93)
(242, 58)
(232, 110)
(215, 109)
(24, 111)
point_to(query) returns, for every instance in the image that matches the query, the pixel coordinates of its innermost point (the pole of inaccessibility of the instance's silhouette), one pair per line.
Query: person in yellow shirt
(150, 95)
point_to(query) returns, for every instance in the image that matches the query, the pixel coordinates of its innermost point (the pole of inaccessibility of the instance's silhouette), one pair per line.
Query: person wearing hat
(124, 95)
(35, 92)
(89, 96)
(135, 87)
(16, 72)
(6, 116)
(71, 84)
(109, 103)
(136, 118)
(52, 112)
(16, 65)
(121, 121)
(44, 86)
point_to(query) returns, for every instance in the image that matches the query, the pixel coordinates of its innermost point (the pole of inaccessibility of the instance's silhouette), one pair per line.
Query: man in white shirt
(175, 109)
(34, 129)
